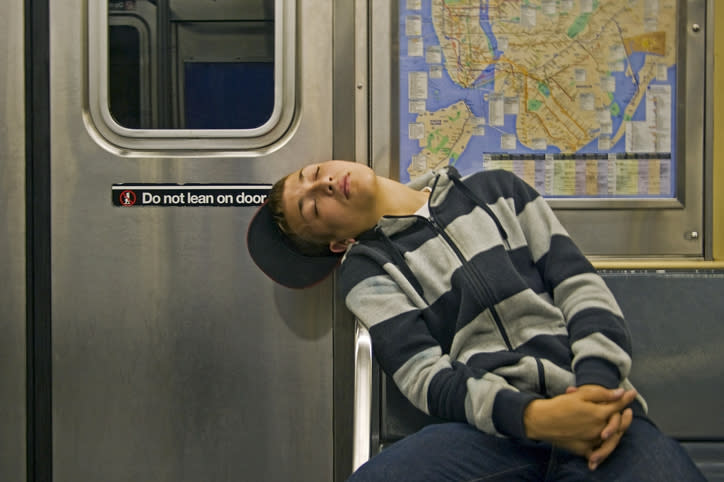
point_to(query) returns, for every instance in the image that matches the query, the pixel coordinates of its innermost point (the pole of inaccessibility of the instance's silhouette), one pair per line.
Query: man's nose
(324, 185)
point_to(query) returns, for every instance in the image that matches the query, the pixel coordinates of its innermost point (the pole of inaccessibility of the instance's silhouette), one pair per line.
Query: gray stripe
(413, 378)
(471, 242)
(422, 180)
(504, 210)
(434, 263)
(390, 226)
(523, 375)
(526, 315)
(377, 299)
(479, 336)
(542, 225)
(441, 190)
(480, 400)
(557, 378)
(583, 291)
(597, 345)
(545, 297)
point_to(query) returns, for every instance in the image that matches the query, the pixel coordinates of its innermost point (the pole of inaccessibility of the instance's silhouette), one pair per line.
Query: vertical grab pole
(362, 395)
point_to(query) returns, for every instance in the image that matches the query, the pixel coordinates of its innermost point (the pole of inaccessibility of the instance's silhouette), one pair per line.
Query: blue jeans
(459, 452)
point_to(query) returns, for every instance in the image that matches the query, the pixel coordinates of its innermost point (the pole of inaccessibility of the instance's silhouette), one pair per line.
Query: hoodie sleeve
(385, 302)
(598, 336)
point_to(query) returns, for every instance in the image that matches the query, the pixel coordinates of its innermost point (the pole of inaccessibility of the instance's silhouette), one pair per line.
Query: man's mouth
(344, 185)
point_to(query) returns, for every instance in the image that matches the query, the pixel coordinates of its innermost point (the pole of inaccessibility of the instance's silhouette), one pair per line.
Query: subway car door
(170, 357)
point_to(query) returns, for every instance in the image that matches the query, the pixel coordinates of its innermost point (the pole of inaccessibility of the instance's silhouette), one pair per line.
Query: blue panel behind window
(228, 95)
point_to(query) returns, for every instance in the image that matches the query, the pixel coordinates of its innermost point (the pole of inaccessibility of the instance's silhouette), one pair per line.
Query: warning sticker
(189, 195)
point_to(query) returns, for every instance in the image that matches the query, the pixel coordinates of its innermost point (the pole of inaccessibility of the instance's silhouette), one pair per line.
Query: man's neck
(397, 199)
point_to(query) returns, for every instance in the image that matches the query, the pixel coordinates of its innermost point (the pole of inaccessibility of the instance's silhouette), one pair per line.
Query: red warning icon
(127, 198)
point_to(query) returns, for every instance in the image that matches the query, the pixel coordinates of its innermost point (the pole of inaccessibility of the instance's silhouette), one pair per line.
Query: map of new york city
(576, 96)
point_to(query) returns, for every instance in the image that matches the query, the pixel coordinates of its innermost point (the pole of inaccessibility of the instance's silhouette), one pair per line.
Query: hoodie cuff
(508, 412)
(597, 371)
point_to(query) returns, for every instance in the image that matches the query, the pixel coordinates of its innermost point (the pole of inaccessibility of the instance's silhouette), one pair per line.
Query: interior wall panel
(12, 243)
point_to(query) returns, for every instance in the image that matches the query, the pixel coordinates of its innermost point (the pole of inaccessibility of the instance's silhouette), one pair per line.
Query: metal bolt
(692, 235)
(360, 86)
(695, 27)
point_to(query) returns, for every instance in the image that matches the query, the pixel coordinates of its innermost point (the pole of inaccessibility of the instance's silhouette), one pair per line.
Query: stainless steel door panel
(173, 357)
(12, 243)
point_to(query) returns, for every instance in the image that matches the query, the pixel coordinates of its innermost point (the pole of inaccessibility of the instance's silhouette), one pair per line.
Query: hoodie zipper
(474, 277)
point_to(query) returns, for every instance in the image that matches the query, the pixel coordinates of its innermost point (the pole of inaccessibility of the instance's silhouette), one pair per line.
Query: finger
(611, 407)
(604, 450)
(611, 442)
(598, 394)
(613, 426)
(626, 419)
(611, 417)
(626, 399)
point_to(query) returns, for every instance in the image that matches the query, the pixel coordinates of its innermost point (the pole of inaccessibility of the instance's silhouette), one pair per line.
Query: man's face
(330, 201)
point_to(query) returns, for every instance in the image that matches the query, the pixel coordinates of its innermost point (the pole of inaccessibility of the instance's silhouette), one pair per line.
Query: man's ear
(340, 246)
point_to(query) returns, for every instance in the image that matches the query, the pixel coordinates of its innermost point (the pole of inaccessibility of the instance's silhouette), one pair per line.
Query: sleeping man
(484, 313)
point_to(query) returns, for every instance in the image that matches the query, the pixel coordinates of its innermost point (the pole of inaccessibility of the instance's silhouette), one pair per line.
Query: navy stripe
(597, 371)
(496, 270)
(507, 412)
(562, 261)
(550, 347)
(455, 204)
(523, 194)
(447, 392)
(361, 263)
(469, 306)
(597, 320)
(490, 186)
(438, 318)
(463, 302)
(400, 338)
(526, 268)
(491, 361)
(414, 236)
(553, 348)
(500, 282)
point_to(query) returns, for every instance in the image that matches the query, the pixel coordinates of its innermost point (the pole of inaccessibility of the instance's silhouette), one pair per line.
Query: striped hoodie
(485, 305)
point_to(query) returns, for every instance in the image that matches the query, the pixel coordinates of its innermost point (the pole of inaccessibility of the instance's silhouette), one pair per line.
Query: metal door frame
(38, 213)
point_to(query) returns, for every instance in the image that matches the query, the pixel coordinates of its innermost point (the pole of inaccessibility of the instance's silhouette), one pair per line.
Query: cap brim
(274, 254)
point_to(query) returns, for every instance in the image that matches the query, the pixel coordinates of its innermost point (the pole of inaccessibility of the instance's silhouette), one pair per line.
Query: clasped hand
(588, 420)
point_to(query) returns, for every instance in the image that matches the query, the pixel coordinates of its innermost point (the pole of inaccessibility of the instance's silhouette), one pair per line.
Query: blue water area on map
(488, 29)
(443, 92)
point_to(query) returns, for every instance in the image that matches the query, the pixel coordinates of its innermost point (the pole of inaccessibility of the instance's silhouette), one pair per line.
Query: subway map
(575, 96)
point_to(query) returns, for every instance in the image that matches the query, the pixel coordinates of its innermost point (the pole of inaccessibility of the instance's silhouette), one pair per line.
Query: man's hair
(306, 247)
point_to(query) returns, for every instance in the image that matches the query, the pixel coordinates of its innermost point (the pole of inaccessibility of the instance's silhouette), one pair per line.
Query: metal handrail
(362, 396)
